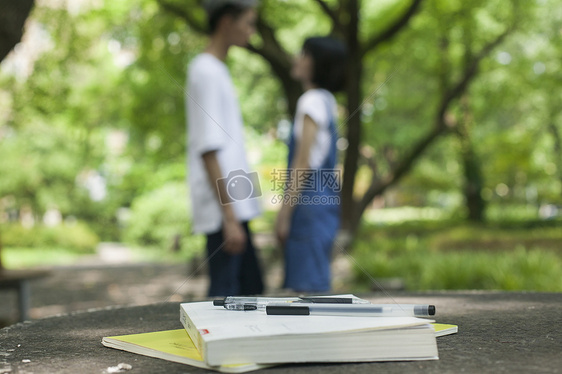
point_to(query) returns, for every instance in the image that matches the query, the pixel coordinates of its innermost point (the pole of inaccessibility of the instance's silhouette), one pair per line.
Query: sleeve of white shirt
(316, 107)
(205, 114)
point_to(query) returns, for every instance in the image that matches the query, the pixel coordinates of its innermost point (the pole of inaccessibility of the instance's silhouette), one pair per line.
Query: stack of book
(239, 337)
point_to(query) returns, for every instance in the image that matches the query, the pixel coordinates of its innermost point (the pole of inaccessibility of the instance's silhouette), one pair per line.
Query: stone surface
(499, 332)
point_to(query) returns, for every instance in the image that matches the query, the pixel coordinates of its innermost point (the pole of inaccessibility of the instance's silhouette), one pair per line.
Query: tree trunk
(353, 91)
(13, 14)
(1, 264)
(553, 129)
(12, 18)
(473, 176)
(473, 183)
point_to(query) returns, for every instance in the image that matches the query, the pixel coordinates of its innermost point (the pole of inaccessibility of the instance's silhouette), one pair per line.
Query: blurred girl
(308, 221)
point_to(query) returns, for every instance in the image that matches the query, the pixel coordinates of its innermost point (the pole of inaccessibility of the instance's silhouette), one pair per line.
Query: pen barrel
(285, 310)
(258, 300)
(353, 310)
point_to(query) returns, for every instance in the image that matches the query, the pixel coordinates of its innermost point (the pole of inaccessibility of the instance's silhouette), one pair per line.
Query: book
(442, 329)
(177, 346)
(171, 345)
(237, 337)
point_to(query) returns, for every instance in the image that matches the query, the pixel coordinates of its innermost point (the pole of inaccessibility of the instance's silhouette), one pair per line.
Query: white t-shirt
(214, 122)
(316, 103)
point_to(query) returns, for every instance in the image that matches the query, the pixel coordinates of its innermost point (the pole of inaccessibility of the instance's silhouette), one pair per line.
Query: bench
(19, 280)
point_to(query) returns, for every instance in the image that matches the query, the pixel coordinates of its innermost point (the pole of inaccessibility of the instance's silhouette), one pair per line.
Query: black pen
(352, 310)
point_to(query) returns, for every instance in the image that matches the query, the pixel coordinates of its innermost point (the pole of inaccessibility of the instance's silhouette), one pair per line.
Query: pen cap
(424, 310)
(218, 302)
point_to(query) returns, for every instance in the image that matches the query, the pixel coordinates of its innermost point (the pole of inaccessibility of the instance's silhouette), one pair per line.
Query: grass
(532, 270)
(30, 257)
(23, 257)
(452, 255)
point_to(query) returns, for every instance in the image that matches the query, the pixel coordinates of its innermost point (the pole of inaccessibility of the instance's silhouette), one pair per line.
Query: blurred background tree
(12, 18)
(432, 57)
(452, 108)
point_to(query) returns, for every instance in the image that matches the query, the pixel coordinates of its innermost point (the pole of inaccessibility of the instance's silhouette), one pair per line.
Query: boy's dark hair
(229, 9)
(329, 57)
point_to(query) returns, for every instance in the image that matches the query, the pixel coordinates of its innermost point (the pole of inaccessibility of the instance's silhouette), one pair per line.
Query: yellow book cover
(171, 345)
(442, 329)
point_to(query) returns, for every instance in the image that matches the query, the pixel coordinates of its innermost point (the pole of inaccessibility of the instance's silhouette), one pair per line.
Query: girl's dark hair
(232, 10)
(329, 57)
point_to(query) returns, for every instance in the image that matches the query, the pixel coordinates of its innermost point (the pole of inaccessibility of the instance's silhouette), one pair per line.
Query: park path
(110, 277)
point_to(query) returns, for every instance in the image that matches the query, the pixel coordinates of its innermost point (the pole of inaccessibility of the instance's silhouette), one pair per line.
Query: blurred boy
(216, 149)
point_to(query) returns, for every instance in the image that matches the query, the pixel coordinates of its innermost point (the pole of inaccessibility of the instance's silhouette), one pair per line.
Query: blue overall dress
(314, 227)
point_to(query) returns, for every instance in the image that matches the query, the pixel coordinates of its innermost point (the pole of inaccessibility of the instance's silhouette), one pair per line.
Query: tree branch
(330, 13)
(368, 155)
(392, 29)
(379, 186)
(443, 123)
(184, 14)
(468, 74)
(279, 60)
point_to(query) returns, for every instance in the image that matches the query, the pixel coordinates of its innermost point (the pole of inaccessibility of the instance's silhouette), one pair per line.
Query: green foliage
(263, 105)
(76, 237)
(158, 216)
(290, 15)
(121, 66)
(440, 255)
(35, 175)
(507, 125)
(59, 117)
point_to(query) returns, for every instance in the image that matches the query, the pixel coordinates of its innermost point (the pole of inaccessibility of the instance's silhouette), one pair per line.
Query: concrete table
(498, 333)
